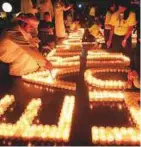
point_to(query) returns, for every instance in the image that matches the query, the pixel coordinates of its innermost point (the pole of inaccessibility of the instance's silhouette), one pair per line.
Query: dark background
(103, 4)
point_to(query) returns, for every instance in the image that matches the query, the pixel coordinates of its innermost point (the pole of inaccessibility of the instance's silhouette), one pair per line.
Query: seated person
(75, 25)
(16, 49)
(49, 46)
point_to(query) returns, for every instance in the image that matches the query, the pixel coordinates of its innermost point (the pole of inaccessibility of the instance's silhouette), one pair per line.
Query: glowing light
(45, 78)
(109, 84)
(7, 7)
(5, 102)
(25, 130)
(80, 5)
(106, 95)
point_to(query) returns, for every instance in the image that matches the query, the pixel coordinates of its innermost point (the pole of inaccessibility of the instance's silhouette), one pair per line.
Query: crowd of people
(36, 29)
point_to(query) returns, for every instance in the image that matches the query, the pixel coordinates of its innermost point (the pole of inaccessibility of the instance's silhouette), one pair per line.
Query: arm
(36, 55)
(131, 23)
(42, 61)
(110, 37)
(67, 8)
(124, 41)
(130, 29)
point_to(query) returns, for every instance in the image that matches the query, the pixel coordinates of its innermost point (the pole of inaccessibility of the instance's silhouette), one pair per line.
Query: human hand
(124, 43)
(109, 43)
(35, 40)
(129, 84)
(132, 75)
(48, 65)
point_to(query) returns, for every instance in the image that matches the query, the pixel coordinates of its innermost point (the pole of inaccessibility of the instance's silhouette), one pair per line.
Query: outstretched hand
(132, 75)
(48, 65)
(108, 43)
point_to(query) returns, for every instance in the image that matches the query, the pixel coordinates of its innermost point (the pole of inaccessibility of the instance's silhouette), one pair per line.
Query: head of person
(112, 7)
(28, 22)
(59, 3)
(47, 16)
(123, 6)
(43, 1)
(77, 21)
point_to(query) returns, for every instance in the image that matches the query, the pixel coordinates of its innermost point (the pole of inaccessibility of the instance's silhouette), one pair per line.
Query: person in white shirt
(17, 50)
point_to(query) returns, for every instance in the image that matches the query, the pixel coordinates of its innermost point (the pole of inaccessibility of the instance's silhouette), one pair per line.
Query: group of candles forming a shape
(106, 95)
(109, 84)
(5, 102)
(115, 135)
(46, 78)
(25, 130)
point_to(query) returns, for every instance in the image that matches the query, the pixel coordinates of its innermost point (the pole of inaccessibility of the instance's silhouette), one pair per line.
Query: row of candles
(25, 130)
(110, 84)
(47, 78)
(66, 63)
(5, 102)
(115, 135)
(108, 56)
(96, 56)
(37, 86)
(106, 95)
(67, 53)
(99, 58)
(74, 38)
(116, 63)
(73, 42)
(60, 62)
(30, 113)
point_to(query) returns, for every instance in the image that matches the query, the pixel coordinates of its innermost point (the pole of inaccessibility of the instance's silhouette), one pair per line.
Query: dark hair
(43, 1)
(19, 22)
(28, 15)
(110, 5)
(31, 16)
(126, 5)
(46, 13)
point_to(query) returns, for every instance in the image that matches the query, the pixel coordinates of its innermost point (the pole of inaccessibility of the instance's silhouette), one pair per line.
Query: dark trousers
(91, 20)
(117, 47)
(106, 36)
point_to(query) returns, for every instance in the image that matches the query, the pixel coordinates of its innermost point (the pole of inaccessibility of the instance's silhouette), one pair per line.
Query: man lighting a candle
(17, 50)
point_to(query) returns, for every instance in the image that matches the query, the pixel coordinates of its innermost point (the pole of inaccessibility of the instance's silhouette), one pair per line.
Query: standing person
(17, 51)
(111, 10)
(46, 6)
(59, 19)
(46, 29)
(122, 23)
